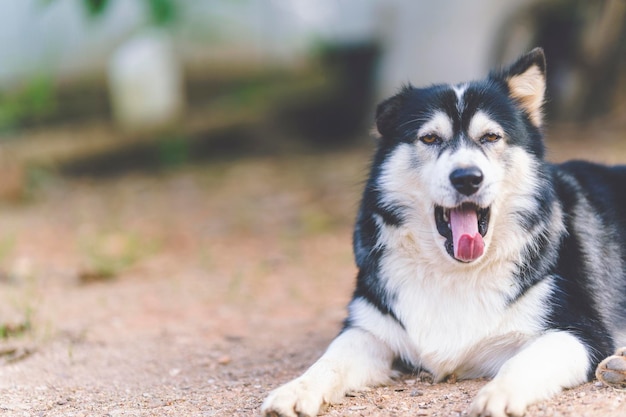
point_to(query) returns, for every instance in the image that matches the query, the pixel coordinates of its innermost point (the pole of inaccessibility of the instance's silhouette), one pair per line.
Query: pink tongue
(468, 243)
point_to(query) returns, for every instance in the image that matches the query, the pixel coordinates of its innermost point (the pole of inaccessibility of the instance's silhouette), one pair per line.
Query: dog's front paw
(499, 399)
(612, 370)
(294, 399)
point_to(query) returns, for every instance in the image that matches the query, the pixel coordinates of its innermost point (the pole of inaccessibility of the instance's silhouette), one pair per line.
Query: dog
(476, 257)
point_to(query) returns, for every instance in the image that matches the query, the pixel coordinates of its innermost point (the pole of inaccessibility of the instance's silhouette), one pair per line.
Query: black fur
(575, 310)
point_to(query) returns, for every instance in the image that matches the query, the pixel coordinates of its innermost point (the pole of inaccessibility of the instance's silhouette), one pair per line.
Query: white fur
(355, 360)
(448, 315)
(365, 316)
(550, 363)
(459, 90)
(482, 124)
(529, 89)
(438, 124)
(620, 337)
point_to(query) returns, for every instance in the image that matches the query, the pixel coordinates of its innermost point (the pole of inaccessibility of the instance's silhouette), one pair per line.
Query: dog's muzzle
(465, 225)
(464, 228)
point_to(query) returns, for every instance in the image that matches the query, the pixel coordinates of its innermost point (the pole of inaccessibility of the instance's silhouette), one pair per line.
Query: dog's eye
(490, 138)
(430, 139)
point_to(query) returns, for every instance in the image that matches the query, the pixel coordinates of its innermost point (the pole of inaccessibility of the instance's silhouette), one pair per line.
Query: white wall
(424, 41)
(59, 38)
(439, 41)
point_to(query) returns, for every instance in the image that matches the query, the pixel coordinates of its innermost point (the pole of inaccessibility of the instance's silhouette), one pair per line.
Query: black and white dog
(476, 257)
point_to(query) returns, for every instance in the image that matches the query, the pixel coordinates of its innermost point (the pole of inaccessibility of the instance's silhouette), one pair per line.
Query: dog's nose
(466, 180)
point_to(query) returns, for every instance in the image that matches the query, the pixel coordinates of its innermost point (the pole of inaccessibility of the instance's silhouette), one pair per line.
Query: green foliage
(36, 99)
(173, 151)
(9, 330)
(109, 254)
(162, 12)
(96, 8)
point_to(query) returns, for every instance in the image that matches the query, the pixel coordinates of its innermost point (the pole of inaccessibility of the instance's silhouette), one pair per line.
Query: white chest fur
(457, 318)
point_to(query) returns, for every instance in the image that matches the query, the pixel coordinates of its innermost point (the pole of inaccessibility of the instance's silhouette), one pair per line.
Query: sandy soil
(195, 292)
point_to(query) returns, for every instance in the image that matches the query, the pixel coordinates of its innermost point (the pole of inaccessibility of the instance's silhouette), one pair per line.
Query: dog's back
(593, 197)
(605, 187)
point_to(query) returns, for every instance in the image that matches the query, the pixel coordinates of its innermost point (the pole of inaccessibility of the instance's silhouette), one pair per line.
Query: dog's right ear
(388, 112)
(526, 80)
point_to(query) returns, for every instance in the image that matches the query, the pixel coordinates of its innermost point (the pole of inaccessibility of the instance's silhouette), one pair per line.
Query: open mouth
(464, 228)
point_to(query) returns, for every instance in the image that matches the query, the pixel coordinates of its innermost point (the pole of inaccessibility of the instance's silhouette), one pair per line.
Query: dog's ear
(526, 80)
(388, 113)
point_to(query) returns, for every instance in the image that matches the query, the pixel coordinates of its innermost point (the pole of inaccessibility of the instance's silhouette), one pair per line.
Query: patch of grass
(7, 244)
(110, 254)
(18, 301)
(8, 330)
(19, 326)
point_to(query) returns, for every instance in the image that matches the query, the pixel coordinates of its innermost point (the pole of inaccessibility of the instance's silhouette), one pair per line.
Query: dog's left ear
(526, 80)
(387, 113)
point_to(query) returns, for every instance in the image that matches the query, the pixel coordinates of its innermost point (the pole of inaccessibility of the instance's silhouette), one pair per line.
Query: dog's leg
(554, 361)
(612, 370)
(354, 360)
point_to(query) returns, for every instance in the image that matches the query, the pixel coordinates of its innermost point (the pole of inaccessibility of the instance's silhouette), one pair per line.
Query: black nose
(466, 180)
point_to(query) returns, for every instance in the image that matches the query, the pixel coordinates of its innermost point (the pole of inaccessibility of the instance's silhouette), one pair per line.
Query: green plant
(110, 254)
(173, 151)
(162, 12)
(34, 100)
(9, 330)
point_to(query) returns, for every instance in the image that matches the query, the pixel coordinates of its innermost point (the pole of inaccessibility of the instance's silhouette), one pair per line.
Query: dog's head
(459, 159)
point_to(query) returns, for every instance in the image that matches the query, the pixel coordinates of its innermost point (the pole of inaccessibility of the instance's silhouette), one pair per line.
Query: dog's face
(460, 161)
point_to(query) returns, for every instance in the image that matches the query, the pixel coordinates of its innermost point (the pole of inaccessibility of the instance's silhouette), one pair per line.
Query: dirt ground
(194, 292)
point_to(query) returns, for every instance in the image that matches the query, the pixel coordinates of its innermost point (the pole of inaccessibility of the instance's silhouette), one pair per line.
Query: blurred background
(99, 87)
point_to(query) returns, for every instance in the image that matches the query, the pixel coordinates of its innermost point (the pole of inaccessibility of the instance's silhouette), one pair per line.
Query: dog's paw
(499, 399)
(294, 399)
(612, 370)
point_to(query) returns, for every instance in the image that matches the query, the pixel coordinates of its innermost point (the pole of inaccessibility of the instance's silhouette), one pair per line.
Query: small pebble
(358, 408)
(224, 360)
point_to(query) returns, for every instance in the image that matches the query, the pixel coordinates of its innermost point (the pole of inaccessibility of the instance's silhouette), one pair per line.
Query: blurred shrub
(162, 12)
(173, 151)
(35, 100)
